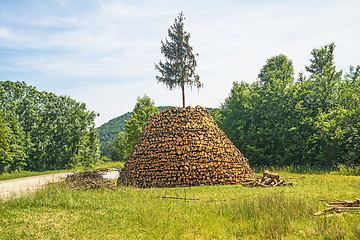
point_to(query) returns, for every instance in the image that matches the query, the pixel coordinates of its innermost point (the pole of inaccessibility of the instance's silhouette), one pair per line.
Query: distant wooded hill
(110, 130)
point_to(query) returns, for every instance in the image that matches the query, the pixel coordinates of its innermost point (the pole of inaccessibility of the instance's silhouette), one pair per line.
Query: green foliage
(4, 146)
(322, 61)
(46, 131)
(124, 143)
(353, 75)
(4, 142)
(141, 112)
(109, 131)
(349, 170)
(313, 121)
(120, 148)
(88, 153)
(105, 159)
(178, 69)
(16, 154)
(278, 71)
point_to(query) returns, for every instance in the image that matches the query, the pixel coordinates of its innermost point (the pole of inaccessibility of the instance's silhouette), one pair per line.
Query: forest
(309, 121)
(41, 131)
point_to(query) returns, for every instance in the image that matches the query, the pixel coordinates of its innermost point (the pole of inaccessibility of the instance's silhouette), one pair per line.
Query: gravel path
(21, 186)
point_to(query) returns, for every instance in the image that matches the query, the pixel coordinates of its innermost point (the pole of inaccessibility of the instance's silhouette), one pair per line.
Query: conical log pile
(184, 147)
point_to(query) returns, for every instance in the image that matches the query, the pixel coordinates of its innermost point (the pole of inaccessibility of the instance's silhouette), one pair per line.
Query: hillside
(108, 131)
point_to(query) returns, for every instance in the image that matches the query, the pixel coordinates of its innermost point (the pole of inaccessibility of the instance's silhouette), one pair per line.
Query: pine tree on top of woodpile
(184, 147)
(178, 69)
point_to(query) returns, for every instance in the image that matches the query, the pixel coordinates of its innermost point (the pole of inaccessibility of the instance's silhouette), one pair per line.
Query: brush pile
(184, 147)
(267, 180)
(88, 180)
(340, 206)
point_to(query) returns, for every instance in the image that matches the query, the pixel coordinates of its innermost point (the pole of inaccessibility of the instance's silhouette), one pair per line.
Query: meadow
(217, 212)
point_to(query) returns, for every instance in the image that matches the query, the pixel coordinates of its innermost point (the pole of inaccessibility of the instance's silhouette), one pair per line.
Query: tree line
(42, 131)
(313, 120)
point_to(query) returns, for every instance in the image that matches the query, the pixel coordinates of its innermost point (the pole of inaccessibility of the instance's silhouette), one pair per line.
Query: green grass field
(222, 212)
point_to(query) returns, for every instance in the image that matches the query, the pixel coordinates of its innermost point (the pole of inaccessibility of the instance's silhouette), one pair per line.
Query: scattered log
(323, 211)
(341, 206)
(208, 201)
(279, 183)
(293, 178)
(275, 176)
(267, 181)
(195, 199)
(221, 200)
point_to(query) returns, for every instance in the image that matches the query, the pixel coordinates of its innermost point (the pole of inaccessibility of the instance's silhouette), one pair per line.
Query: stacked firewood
(267, 180)
(184, 147)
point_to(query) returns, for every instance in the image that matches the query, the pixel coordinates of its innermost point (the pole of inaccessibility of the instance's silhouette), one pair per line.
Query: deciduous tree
(4, 146)
(313, 121)
(46, 131)
(120, 151)
(134, 126)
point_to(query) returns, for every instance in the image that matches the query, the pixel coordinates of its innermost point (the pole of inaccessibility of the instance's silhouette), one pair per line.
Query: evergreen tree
(178, 69)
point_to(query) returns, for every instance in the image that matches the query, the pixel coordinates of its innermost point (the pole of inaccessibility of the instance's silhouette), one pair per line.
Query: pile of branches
(88, 180)
(340, 206)
(267, 180)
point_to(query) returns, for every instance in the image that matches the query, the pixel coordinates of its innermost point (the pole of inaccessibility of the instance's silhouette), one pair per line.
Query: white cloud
(6, 34)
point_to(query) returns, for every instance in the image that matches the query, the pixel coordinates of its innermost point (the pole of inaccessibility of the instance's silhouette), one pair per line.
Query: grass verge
(222, 212)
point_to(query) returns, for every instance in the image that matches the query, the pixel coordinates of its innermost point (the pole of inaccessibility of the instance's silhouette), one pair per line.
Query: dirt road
(20, 186)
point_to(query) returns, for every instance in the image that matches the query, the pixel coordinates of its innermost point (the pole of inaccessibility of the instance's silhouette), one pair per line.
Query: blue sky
(102, 52)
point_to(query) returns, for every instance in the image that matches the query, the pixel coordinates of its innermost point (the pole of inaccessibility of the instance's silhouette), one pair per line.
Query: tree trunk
(183, 93)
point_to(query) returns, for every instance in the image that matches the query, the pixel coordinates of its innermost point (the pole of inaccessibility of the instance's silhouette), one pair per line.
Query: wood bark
(341, 206)
(183, 93)
(267, 180)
